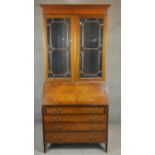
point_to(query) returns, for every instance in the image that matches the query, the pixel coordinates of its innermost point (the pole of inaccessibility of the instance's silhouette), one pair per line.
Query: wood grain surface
(75, 92)
(69, 137)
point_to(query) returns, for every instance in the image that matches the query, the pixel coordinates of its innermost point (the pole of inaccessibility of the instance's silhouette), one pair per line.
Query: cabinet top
(75, 93)
(76, 9)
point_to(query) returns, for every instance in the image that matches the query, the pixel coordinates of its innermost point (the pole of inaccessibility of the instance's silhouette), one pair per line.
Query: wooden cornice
(76, 9)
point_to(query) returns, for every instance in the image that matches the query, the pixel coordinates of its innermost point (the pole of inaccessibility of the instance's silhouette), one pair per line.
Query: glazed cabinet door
(74, 47)
(58, 33)
(91, 48)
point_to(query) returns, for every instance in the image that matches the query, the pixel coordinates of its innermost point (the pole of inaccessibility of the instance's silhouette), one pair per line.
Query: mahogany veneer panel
(75, 126)
(74, 110)
(75, 118)
(83, 9)
(74, 93)
(69, 137)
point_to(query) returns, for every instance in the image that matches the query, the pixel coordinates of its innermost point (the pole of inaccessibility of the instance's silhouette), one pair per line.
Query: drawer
(75, 126)
(74, 110)
(75, 118)
(70, 137)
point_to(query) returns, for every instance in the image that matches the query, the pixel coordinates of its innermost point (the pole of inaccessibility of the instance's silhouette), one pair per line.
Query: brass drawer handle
(44, 110)
(103, 110)
(57, 118)
(93, 111)
(57, 137)
(92, 118)
(57, 111)
(58, 126)
(92, 137)
(93, 127)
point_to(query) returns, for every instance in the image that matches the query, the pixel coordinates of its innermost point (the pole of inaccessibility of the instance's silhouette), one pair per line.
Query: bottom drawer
(71, 137)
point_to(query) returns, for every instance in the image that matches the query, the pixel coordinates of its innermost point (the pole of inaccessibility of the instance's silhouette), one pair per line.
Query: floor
(79, 149)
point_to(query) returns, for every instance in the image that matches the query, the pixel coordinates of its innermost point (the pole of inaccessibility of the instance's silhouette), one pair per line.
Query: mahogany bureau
(75, 100)
(75, 112)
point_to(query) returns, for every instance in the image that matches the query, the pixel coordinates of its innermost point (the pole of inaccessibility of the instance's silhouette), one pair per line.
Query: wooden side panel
(45, 49)
(73, 47)
(104, 48)
(77, 41)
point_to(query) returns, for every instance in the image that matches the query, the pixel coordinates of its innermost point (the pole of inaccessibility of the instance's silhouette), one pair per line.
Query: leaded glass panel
(91, 47)
(59, 45)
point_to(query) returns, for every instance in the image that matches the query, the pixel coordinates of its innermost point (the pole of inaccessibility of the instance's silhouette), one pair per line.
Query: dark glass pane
(59, 61)
(50, 75)
(69, 35)
(90, 62)
(90, 75)
(69, 62)
(91, 35)
(101, 21)
(59, 35)
(81, 48)
(99, 74)
(81, 61)
(49, 21)
(59, 76)
(68, 49)
(91, 46)
(81, 74)
(100, 49)
(59, 45)
(68, 21)
(101, 36)
(49, 49)
(58, 20)
(81, 35)
(82, 20)
(100, 61)
(48, 35)
(92, 20)
(49, 62)
(68, 74)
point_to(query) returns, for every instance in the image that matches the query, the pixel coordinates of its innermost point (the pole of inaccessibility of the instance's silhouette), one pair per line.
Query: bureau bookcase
(75, 100)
